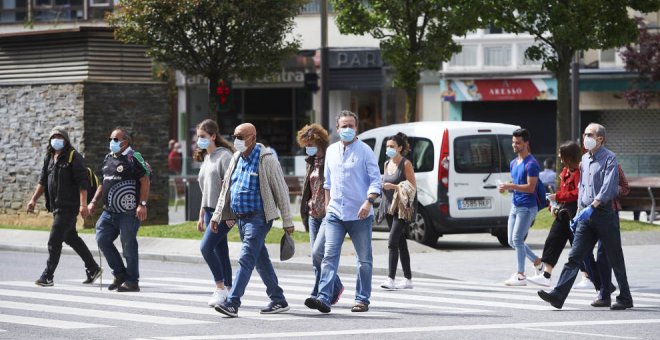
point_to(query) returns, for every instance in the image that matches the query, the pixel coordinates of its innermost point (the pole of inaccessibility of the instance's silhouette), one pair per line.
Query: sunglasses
(114, 140)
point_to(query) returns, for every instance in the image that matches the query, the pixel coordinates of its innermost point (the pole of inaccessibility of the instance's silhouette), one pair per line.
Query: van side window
(507, 152)
(371, 142)
(421, 154)
(477, 154)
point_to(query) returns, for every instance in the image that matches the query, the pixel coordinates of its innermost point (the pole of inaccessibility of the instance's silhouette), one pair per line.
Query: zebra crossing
(181, 301)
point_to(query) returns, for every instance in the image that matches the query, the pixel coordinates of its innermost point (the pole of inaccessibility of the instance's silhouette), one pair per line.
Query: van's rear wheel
(421, 229)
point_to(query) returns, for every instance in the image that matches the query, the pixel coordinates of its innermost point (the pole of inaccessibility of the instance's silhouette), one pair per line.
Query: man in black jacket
(65, 182)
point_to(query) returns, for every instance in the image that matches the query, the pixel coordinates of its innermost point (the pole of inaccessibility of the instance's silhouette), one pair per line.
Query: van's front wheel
(421, 229)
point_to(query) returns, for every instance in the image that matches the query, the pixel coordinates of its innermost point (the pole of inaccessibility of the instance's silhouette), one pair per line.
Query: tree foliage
(224, 39)
(415, 35)
(643, 58)
(562, 28)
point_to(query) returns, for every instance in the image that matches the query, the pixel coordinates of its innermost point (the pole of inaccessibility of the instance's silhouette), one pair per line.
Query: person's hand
(501, 187)
(289, 230)
(230, 223)
(84, 211)
(141, 213)
(364, 210)
(390, 186)
(90, 207)
(200, 226)
(553, 197)
(582, 215)
(214, 226)
(30, 206)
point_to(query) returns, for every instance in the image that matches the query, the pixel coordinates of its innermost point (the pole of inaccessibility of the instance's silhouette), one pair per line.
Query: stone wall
(89, 111)
(27, 114)
(142, 109)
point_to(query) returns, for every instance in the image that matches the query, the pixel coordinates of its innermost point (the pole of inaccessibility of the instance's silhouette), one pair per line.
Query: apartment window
(522, 60)
(608, 56)
(95, 3)
(493, 30)
(467, 57)
(12, 11)
(314, 7)
(497, 55)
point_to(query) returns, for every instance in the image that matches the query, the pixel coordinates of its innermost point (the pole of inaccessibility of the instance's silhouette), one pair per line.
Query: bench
(644, 191)
(295, 184)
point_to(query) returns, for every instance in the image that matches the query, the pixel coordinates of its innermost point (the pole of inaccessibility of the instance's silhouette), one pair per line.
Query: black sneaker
(118, 281)
(129, 287)
(551, 298)
(276, 307)
(227, 309)
(320, 306)
(310, 302)
(44, 281)
(93, 275)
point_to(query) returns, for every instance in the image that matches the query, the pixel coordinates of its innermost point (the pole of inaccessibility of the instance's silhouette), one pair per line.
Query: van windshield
(481, 154)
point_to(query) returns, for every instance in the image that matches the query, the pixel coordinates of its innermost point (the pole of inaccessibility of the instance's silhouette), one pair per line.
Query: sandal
(360, 307)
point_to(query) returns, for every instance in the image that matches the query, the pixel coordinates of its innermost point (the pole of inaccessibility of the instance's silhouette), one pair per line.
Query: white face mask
(590, 143)
(240, 145)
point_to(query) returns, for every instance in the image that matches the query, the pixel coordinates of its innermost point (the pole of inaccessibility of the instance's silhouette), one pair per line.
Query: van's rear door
(476, 168)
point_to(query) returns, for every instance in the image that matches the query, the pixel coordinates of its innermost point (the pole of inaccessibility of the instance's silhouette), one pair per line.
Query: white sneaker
(584, 284)
(404, 284)
(388, 284)
(219, 295)
(540, 280)
(516, 280)
(538, 270)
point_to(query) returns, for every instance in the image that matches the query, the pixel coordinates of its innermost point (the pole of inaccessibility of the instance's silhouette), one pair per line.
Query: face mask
(391, 152)
(311, 150)
(590, 143)
(346, 134)
(115, 146)
(203, 143)
(240, 145)
(57, 144)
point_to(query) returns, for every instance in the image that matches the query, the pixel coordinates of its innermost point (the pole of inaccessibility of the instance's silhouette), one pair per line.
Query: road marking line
(113, 315)
(578, 333)
(361, 331)
(49, 323)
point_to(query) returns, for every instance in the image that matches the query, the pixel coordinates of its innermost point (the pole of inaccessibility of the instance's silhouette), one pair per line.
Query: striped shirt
(244, 191)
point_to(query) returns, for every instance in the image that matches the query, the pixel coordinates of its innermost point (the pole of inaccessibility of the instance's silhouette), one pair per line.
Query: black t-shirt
(121, 181)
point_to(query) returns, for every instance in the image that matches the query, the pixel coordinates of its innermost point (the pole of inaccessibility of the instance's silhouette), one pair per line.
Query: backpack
(539, 191)
(92, 179)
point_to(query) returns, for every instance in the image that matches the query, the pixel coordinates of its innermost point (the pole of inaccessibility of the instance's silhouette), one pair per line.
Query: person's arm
(38, 191)
(569, 195)
(81, 178)
(410, 174)
(375, 183)
(280, 191)
(624, 188)
(610, 187)
(97, 196)
(145, 184)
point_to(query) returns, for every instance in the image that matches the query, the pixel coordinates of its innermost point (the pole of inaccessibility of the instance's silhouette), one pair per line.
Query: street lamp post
(325, 101)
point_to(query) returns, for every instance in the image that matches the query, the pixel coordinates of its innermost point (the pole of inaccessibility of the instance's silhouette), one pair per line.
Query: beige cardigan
(274, 191)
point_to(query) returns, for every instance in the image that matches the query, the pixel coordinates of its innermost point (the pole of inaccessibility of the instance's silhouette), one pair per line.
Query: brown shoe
(359, 308)
(129, 287)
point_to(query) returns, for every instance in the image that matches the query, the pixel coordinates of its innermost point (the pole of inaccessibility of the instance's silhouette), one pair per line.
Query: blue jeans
(126, 225)
(215, 249)
(360, 233)
(520, 220)
(253, 230)
(601, 225)
(317, 240)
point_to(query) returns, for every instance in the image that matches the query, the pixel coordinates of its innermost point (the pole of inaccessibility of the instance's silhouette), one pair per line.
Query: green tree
(226, 39)
(415, 35)
(561, 28)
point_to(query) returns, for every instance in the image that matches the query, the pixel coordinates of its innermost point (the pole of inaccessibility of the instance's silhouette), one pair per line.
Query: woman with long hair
(215, 153)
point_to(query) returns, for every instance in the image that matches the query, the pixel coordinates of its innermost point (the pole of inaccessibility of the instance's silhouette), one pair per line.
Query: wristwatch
(143, 203)
(371, 200)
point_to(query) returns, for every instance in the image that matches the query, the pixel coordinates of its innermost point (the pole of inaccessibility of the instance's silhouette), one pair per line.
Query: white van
(458, 166)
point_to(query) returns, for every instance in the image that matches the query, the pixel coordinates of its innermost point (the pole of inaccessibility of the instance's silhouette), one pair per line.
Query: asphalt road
(172, 305)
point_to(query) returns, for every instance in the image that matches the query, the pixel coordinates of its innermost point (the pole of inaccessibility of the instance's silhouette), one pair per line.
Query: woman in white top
(215, 153)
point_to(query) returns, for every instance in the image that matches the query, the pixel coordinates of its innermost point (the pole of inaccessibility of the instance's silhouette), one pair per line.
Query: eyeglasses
(114, 140)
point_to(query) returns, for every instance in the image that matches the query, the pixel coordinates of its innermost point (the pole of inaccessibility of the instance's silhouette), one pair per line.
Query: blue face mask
(311, 150)
(203, 143)
(390, 152)
(115, 146)
(347, 134)
(57, 144)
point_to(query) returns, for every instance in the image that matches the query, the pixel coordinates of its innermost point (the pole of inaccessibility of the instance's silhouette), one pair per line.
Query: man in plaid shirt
(250, 200)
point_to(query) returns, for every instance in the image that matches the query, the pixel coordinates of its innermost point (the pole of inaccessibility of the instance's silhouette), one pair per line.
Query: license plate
(474, 204)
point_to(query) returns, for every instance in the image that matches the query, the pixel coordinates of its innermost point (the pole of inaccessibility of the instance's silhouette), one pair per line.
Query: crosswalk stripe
(113, 315)
(50, 323)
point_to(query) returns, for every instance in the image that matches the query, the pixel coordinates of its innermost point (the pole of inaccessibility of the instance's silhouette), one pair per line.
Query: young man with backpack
(125, 190)
(65, 181)
(528, 198)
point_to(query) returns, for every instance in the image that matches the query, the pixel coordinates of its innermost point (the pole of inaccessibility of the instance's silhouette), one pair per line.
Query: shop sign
(351, 59)
(282, 77)
(498, 89)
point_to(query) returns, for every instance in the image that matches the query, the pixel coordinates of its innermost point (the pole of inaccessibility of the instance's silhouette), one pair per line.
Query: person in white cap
(64, 181)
